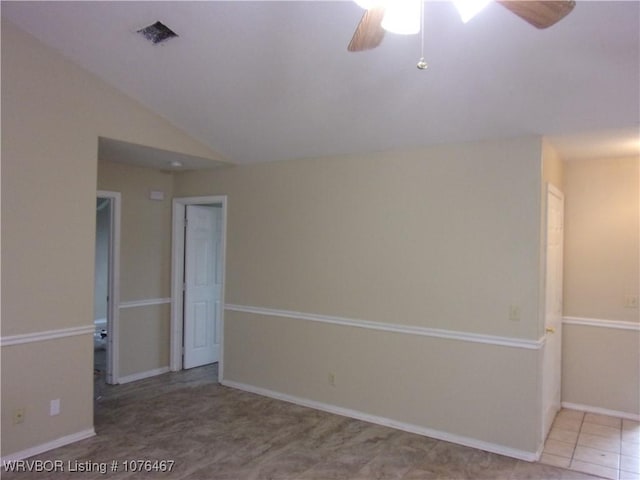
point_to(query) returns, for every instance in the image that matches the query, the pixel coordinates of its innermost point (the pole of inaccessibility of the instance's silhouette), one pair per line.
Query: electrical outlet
(332, 379)
(54, 407)
(18, 415)
(514, 313)
(631, 301)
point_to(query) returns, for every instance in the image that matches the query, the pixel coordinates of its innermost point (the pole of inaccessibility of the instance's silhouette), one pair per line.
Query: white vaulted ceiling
(262, 81)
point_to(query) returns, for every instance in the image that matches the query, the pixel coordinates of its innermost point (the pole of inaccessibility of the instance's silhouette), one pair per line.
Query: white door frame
(546, 416)
(113, 289)
(177, 277)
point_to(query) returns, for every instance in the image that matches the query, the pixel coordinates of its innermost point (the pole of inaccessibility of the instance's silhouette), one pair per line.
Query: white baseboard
(388, 422)
(45, 447)
(142, 375)
(601, 411)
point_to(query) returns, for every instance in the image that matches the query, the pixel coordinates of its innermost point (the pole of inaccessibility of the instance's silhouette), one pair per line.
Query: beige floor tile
(632, 436)
(630, 449)
(608, 444)
(566, 436)
(556, 461)
(630, 464)
(601, 430)
(565, 413)
(592, 469)
(629, 476)
(560, 449)
(603, 420)
(598, 457)
(571, 424)
(526, 471)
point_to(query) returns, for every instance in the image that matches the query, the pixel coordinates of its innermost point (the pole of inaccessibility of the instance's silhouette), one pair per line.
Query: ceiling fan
(539, 13)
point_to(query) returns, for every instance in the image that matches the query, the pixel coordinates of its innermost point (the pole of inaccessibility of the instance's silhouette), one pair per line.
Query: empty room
(320, 239)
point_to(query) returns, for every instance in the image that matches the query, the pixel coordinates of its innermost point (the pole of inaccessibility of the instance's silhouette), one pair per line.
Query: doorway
(197, 286)
(106, 288)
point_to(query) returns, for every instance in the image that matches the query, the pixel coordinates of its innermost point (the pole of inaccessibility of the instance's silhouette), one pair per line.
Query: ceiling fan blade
(369, 32)
(542, 13)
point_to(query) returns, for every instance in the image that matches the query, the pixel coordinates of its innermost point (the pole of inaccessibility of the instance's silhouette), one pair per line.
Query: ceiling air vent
(158, 32)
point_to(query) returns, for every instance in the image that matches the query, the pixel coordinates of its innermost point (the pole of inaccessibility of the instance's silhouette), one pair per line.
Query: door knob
(550, 330)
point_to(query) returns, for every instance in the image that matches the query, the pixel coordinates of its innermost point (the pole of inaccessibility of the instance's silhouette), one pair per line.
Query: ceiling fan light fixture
(469, 8)
(403, 17)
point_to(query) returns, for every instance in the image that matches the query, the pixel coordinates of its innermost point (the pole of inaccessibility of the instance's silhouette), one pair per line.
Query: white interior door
(203, 285)
(552, 381)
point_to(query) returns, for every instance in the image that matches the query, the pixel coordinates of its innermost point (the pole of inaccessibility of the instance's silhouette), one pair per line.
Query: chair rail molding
(596, 322)
(391, 327)
(45, 335)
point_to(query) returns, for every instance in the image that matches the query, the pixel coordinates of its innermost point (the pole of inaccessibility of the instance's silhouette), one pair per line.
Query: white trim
(113, 306)
(142, 375)
(45, 447)
(46, 335)
(387, 422)
(601, 411)
(145, 303)
(177, 276)
(395, 328)
(550, 376)
(596, 322)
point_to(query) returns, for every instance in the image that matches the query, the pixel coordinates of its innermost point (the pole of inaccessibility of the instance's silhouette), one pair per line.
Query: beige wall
(445, 237)
(144, 339)
(602, 238)
(145, 263)
(52, 115)
(477, 392)
(601, 368)
(552, 166)
(145, 247)
(601, 365)
(34, 374)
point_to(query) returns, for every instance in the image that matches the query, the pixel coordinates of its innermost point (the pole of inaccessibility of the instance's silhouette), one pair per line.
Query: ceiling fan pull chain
(422, 65)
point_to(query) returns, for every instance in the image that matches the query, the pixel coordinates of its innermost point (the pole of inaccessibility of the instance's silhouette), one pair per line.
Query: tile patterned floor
(214, 432)
(601, 445)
